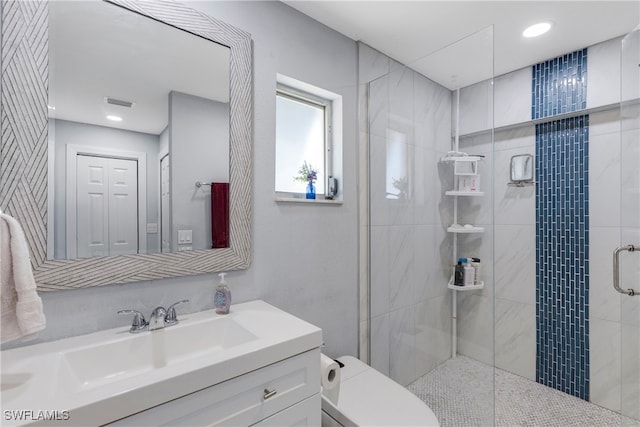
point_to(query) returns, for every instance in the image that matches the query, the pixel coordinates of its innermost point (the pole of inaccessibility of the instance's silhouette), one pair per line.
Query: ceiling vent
(119, 102)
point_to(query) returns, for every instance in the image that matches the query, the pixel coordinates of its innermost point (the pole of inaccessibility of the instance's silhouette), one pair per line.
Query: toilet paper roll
(330, 378)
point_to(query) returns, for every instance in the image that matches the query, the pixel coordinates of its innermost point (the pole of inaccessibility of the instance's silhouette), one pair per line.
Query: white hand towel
(21, 310)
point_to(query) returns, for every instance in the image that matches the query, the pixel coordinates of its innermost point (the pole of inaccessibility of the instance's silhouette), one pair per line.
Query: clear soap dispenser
(222, 298)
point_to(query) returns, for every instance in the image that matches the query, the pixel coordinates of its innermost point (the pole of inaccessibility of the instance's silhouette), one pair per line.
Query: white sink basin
(113, 360)
(107, 375)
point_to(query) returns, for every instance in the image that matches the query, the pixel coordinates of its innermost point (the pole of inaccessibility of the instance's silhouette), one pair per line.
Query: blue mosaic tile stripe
(559, 85)
(562, 255)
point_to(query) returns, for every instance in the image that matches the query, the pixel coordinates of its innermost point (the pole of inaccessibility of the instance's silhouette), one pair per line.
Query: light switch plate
(185, 237)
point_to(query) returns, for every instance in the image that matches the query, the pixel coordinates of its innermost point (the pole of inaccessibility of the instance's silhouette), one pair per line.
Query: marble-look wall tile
(363, 346)
(630, 116)
(401, 102)
(604, 180)
(401, 204)
(630, 179)
(379, 268)
(630, 370)
(476, 108)
(512, 97)
(424, 194)
(475, 339)
(432, 115)
(519, 137)
(433, 333)
(476, 210)
(380, 343)
(604, 122)
(603, 79)
(423, 108)
(371, 63)
(604, 302)
(378, 106)
(480, 144)
(630, 57)
(444, 257)
(429, 282)
(401, 266)
(515, 345)
(446, 181)
(363, 272)
(515, 254)
(604, 356)
(379, 213)
(402, 345)
(363, 179)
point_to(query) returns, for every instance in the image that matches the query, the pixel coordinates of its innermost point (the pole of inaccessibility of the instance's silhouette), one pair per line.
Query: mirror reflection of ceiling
(99, 50)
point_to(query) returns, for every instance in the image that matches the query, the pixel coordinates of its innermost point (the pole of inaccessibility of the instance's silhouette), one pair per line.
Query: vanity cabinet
(280, 394)
(255, 365)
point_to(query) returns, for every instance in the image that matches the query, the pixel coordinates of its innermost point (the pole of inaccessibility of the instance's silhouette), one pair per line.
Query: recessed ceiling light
(51, 107)
(537, 29)
(114, 118)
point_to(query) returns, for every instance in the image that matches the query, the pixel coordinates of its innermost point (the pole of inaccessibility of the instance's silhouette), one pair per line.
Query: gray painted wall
(199, 147)
(304, 256)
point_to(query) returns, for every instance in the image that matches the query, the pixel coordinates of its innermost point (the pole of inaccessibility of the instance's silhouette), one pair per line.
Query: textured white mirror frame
(24, 147)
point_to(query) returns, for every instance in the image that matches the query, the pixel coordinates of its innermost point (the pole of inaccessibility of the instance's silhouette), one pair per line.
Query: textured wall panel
(23, 150)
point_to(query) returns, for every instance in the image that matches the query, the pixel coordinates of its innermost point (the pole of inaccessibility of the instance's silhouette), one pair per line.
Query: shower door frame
(629, 260)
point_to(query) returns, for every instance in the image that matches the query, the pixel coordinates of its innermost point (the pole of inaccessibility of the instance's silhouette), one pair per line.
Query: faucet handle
(171, 318)
(139, 323)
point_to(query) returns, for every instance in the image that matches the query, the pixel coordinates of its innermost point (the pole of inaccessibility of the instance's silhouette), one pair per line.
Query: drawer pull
(269, 393)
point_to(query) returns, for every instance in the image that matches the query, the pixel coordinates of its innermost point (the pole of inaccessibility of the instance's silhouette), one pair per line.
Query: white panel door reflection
(107, 206)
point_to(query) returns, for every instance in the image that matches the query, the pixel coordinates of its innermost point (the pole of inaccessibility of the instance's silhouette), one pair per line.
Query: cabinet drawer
(305, 413)
(243, 400)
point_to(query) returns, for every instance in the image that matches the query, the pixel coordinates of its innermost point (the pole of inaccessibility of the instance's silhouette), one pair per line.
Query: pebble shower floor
(460, 393)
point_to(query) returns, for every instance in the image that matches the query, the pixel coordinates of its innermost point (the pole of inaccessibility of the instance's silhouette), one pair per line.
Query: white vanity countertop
(104, 376)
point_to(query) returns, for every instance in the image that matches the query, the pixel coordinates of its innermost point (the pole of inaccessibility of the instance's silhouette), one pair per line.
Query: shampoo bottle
(475, 263)
(469, 275)
(458, 275)
(222, 298)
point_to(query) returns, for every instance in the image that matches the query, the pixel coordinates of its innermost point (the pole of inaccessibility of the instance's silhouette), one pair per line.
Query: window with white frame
(304, 133)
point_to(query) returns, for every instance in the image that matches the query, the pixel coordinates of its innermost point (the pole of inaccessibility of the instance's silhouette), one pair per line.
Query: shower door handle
(616, 269)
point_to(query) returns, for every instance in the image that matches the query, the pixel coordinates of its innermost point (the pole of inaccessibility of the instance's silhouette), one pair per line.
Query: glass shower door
(627, 256)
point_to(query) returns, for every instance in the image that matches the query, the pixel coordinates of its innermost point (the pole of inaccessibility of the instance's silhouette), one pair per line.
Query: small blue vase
(311, 191)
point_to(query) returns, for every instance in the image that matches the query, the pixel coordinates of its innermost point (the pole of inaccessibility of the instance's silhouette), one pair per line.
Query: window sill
(303, 200)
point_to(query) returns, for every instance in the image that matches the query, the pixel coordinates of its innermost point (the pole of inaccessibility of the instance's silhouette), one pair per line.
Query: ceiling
(458, 43)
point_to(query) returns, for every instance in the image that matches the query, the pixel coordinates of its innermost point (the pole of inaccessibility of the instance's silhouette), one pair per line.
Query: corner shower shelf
(462, 158)
(463, 193)
(475, 287)
(467, 184)
(465, 230)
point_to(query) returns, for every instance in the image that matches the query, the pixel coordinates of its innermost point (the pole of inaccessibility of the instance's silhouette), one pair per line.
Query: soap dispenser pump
(222, 298)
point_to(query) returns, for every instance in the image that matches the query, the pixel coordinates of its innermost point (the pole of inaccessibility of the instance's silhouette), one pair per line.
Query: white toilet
(368, 398)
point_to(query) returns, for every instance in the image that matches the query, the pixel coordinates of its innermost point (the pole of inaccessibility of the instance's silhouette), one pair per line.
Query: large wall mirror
(112, 111)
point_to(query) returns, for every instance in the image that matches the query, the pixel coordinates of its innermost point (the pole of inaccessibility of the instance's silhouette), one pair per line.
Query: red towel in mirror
(220, 214)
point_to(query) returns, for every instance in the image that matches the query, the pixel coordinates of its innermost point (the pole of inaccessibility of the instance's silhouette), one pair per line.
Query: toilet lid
(368, 398)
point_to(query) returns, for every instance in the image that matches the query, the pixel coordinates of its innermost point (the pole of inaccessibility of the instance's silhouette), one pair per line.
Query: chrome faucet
(156, 320)
(160, 318)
